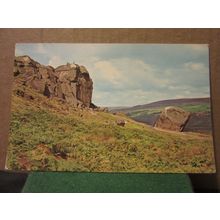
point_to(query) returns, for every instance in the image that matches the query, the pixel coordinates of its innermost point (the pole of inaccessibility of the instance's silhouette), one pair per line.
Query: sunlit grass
(46, 134)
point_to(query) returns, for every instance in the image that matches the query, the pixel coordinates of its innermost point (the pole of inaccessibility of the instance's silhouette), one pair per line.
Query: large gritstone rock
(69, 82)
(172, 118)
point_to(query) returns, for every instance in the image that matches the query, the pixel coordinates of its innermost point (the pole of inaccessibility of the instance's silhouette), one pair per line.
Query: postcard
(138, 108)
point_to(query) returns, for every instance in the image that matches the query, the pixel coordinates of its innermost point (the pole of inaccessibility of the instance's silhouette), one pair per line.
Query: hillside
(163, 103)
(56, 127)
(48, 134)
(200, 119)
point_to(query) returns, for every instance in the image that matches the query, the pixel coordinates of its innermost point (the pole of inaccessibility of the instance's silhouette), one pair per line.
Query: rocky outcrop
(172, 118)
(69, 82)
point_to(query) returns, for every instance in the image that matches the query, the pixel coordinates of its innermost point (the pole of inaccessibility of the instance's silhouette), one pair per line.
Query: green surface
(46, 135)
(187, 107)
(106, 182)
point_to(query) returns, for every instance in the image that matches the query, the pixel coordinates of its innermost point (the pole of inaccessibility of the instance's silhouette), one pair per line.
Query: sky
(132, 74)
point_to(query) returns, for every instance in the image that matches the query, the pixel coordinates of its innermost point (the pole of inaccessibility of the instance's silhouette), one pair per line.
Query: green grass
(196, 108)
(187, 107)
(144, 112)
(48, 135)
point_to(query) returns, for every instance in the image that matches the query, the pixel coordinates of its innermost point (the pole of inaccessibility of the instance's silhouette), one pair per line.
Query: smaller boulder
(172, 118)
(121, 122)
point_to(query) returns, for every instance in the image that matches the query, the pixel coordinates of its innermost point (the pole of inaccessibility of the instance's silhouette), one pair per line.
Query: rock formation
(69, 82)
(172, 118)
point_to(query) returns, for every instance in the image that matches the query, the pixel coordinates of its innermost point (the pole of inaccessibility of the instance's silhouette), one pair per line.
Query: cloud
(108, 71)
(131, 74)
(125, 74)
(130, 82)
(40, 48)
(196, 66)
(56, 61)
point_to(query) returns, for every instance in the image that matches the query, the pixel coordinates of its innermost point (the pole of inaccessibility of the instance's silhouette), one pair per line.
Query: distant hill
(163, 103)
(200, 119)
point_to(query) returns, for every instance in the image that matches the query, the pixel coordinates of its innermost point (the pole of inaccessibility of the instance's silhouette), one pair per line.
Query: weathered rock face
(70, 82)
(172, 118)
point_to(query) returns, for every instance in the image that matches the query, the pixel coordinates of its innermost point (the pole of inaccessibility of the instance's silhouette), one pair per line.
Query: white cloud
(40, 48)
(56, 61)
(196, 66)
(132, 74)
(130, 82)
(150, 73)
(126, 73)
(126, 81)
(107, 71)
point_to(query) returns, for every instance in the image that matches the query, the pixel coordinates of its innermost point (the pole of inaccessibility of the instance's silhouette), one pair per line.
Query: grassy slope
(93, 142)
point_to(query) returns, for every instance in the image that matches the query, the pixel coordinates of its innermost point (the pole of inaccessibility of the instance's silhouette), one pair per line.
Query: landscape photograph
(85, 107)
